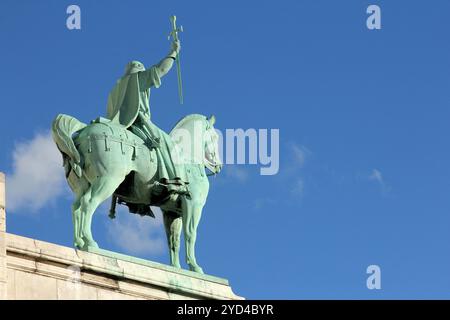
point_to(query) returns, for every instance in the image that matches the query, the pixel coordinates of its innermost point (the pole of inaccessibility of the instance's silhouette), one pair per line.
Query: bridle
(211, 167)
(208, 164)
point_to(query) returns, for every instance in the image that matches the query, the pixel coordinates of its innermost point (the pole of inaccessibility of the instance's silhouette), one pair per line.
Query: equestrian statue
(126, 157)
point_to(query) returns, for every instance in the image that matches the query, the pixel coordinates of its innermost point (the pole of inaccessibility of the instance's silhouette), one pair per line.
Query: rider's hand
(176, 46)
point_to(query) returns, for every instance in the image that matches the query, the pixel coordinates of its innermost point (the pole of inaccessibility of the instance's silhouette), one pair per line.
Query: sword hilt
(174, 34)
(175, 30)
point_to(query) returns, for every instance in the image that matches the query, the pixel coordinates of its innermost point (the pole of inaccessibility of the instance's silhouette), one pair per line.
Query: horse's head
(211, 139)
(198, 142)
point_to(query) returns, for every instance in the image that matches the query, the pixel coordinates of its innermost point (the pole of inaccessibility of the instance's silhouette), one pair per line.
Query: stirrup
(176, 188)
(177, 181)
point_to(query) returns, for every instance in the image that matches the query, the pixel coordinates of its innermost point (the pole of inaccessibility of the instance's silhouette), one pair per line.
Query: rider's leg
(168, 153)
(171, 174)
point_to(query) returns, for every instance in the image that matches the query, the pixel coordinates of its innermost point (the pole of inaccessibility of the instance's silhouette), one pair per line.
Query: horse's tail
(63, 128)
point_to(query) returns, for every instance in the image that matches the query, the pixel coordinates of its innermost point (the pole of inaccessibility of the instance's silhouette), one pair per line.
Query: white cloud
(377, 177)
(136, 234)
(261, 203)
(298, 188)
(38, 177)
(235, 172)
(301, 153)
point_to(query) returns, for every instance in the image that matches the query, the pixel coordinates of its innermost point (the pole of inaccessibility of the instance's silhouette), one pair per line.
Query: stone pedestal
(3, 272)
(42, 270)
(33, 269)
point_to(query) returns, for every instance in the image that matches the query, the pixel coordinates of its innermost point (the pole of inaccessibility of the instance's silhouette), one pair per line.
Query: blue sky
(363, 119)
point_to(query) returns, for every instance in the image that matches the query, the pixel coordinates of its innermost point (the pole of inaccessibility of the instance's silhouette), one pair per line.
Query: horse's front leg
(173, 226)
(191, 217)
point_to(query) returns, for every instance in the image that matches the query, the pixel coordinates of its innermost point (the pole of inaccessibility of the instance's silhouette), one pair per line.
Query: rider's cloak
(131, 94)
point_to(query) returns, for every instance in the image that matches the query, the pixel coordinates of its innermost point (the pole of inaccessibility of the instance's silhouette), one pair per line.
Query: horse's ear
(212, 120)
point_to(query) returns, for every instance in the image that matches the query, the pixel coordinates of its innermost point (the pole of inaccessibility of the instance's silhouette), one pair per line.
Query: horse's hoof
(78, 243)
(90, 245)
(197, 269)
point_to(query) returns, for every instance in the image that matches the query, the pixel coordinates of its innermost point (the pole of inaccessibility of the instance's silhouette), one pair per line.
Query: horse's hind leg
(78, 241)
(173, 224)
(101, 188)
(79, 190)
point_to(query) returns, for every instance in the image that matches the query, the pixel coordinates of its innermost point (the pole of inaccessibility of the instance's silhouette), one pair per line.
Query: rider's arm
(152, 77)
(166, 64)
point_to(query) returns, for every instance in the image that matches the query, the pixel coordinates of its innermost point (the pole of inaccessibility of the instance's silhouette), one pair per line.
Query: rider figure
(128, 105)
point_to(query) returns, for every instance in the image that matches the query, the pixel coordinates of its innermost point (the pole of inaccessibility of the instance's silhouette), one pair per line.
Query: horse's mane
(186, 119)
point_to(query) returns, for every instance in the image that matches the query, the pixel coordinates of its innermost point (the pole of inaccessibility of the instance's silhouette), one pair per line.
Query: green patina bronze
(125, 156)
(174, 34)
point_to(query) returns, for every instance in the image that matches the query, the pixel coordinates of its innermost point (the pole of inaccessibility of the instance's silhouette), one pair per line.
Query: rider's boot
(175, 186)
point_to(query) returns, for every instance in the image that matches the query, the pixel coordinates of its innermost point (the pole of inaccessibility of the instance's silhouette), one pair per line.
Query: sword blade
(180, 83)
